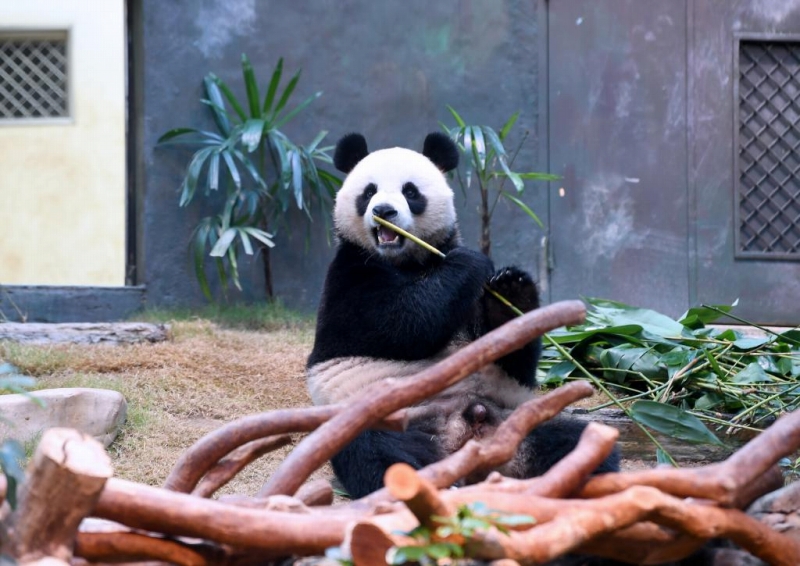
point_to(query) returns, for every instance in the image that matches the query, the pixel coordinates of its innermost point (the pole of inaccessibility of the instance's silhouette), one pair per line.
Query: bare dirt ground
(179, 390)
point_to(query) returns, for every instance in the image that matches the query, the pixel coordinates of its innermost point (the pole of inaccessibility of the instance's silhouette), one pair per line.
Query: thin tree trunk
(266, 258)
(486, 238)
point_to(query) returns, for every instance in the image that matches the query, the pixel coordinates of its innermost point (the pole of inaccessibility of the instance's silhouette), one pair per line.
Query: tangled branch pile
(649, 517)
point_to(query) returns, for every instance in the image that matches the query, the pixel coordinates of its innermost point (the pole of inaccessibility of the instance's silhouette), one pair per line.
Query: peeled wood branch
(419, 495)
(119, 547)
(66, 476)
(209, 450)
(227, 468)
(723, 482)
(178, 514)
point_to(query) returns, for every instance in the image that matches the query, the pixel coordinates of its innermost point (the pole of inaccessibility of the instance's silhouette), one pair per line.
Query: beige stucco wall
(62, 185)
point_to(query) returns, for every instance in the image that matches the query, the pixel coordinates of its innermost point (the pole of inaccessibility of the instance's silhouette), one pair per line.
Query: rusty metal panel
(618, 107)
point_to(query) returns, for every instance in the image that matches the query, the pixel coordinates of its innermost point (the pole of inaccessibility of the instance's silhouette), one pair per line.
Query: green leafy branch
(449, 539)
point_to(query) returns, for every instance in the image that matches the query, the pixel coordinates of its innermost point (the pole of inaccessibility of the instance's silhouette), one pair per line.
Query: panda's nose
(385, 211)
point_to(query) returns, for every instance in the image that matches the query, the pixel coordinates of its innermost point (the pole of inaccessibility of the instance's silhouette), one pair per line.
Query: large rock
(97, 412)
(83, 332)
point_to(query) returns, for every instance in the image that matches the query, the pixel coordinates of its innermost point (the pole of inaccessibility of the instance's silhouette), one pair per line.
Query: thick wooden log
(83, 332)
(65, 478)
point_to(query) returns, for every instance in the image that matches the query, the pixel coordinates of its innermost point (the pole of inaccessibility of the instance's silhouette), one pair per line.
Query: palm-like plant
(266, 171)
(487, 157)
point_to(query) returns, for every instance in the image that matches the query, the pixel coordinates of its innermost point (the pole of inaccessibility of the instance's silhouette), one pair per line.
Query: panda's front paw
(515, 285)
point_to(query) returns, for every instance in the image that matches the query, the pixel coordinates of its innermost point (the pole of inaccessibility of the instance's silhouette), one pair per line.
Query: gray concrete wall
(387, 69)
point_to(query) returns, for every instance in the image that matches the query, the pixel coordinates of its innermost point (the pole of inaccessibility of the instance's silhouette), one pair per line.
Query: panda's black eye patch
(416, 200)
(362, 202)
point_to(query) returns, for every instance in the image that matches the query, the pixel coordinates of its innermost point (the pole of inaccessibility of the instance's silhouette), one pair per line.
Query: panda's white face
(403, 187)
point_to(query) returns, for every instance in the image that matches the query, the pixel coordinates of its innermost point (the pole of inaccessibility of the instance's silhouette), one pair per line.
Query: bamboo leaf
(752, 373)
(524, 208)
(674, 422)
(479, 148)
(456, 117)
(508, 125)
(246, 244)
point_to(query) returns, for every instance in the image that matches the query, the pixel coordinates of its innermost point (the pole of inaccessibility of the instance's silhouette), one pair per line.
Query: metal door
(676, 128)
(617, 135)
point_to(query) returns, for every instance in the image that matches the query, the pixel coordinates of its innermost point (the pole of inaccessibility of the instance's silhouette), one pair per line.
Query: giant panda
(391, 308)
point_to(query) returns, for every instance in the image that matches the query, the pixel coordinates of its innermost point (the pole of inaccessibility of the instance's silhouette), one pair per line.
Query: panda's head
(405, 187)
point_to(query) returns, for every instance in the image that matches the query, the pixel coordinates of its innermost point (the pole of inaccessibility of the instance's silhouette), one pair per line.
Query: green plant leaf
(189, 185)
(198, 245)
(287, 92)
(176, 132)
(535, 176)
(662, 458)
(479, 147)
(297, 109)
(619, 314)
(508, 125)
(229, 96)
(698, 317)
(232, 169)
(456, 117)
(11, 454)
(272, 88)
(251, 87)
(297, 178)
(263, 237)
(213, 172)
(211, 86)
(223, 244)
(752, 373)
(674, 422)
(252, 132)
(524, 208)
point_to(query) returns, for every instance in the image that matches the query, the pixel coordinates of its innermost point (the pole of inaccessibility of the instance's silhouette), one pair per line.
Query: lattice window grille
(33, 77)
(769, 149)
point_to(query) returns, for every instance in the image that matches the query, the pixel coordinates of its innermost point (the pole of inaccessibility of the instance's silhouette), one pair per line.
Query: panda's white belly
(344, 379)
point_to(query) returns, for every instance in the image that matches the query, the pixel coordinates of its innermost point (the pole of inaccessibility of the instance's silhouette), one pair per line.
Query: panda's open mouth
(386, 237)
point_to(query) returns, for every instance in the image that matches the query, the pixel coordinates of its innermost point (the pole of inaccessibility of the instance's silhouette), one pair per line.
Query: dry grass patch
(181, 389)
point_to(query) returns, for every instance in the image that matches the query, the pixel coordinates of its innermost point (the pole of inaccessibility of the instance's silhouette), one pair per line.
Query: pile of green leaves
(680, 372)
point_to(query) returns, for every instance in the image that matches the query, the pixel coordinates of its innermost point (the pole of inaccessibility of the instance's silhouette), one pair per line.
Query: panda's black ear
(441, 150)
(351, 149)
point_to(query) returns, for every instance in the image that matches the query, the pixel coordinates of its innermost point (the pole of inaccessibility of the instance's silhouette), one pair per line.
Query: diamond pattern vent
(769, 149)
(33, 77)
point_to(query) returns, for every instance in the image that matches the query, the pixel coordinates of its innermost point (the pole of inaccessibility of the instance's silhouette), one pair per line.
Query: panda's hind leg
(551, 441)
(520, 290)
(361, 465)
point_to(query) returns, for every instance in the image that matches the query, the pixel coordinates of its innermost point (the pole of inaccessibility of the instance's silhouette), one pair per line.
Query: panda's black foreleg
(551, 441)
(360, 467)
(520, 290)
